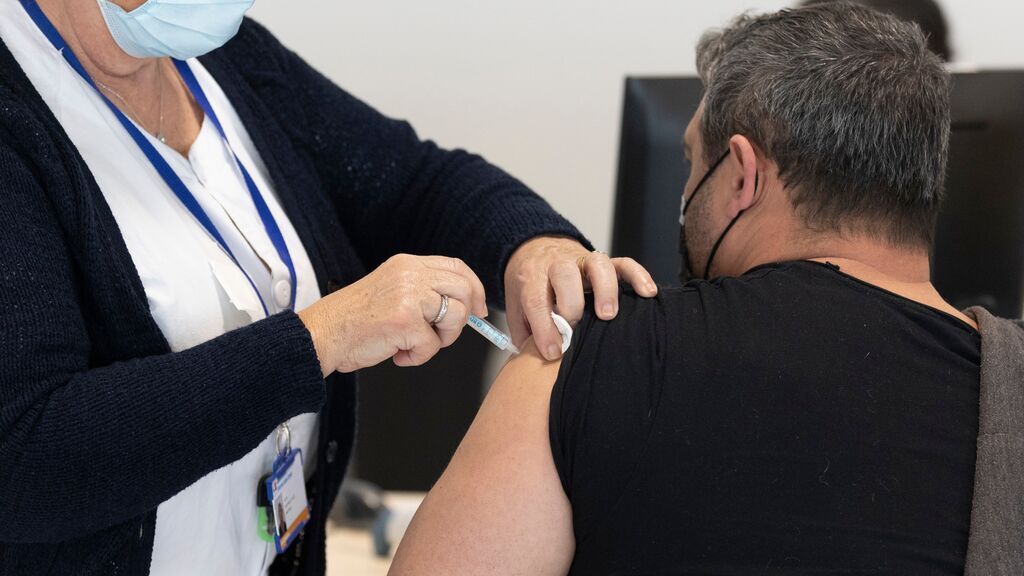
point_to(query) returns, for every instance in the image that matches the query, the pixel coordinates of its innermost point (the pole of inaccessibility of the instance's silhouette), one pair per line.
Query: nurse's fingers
(449, 328)
(420, 344)
(567, 283)
(635, 275)
(537, 305)
(604, 282)
(478, 302)
(455, 286)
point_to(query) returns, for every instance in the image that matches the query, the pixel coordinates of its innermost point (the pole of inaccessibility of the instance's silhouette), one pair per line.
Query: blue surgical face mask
(180, 29)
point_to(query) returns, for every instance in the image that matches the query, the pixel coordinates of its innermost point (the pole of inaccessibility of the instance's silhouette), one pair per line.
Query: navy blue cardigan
(99, 421)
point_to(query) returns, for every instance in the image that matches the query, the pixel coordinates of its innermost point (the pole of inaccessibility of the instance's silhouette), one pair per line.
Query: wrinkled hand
(388, 313)
(548, 274)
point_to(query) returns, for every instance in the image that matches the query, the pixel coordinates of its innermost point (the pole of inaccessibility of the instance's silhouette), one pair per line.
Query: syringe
(504, 341)
(497, 337)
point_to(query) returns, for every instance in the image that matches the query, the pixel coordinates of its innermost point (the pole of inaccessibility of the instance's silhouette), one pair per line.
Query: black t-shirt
(794, 420)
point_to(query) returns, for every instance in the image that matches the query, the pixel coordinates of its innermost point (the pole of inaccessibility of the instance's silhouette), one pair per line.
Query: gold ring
(581, 262)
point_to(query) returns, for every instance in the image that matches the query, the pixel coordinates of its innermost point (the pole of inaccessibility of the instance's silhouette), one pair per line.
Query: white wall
(536, 85)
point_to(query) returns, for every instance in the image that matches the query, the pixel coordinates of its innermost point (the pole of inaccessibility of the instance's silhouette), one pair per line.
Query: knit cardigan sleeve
(392, 191)
(83, 448)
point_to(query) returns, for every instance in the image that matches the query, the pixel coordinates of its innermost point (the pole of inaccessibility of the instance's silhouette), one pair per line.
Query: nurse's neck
(133, 84)
(82, 26)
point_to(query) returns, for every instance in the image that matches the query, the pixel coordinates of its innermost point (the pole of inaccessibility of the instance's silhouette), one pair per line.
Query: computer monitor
(652, 172)
(979, 247)
(979, 243)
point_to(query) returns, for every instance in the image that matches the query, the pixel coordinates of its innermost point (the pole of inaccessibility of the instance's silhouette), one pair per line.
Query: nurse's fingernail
(608, 310)
(553, 352)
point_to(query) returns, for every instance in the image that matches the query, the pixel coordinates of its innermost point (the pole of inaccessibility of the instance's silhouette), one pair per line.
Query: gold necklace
(160, 127)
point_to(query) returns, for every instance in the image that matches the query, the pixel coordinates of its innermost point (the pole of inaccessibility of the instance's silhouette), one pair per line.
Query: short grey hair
(849, 102)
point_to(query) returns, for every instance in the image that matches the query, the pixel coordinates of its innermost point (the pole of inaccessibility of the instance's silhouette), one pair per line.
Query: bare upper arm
(499, 508)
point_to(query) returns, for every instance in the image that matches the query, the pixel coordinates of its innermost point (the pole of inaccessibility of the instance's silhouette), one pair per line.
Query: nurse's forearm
(88, 450)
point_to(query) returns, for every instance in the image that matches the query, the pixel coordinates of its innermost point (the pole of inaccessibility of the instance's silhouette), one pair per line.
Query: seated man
(813, 409)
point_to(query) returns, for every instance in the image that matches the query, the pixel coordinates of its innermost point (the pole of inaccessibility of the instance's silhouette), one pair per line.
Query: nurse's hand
(388, 313)
(548, 274)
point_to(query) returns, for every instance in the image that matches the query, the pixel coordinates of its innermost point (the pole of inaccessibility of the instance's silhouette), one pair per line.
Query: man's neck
(902, 271)
(901, 265)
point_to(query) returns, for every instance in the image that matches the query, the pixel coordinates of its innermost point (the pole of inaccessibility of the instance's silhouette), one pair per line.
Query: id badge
(286, 494)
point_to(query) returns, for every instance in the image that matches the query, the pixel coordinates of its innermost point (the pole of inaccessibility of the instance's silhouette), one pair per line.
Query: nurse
(196, 256)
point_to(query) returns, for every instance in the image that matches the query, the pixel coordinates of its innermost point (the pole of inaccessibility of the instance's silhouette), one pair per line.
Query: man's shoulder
(697, 299)
(639, 320)
(690, 329)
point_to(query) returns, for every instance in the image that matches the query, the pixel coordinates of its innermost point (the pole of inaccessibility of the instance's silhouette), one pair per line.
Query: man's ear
(743, 179)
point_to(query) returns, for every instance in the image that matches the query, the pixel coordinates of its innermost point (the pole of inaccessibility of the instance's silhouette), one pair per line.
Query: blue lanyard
(160, 164)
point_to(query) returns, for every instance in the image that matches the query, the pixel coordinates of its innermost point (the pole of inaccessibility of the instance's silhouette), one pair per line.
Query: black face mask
(686, 270)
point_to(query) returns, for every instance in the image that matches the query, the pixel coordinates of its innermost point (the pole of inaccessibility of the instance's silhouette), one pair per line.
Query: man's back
(794, 419)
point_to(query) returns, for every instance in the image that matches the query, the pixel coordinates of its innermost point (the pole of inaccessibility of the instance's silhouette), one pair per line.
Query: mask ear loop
(714, 250)
(700, 185)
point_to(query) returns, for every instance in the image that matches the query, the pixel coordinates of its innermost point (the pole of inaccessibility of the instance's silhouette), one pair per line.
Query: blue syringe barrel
(489, 331)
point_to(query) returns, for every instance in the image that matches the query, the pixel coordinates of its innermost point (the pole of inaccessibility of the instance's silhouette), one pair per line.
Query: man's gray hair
(850, 103)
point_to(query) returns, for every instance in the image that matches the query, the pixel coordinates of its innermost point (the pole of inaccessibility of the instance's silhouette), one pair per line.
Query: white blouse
(195, 291)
